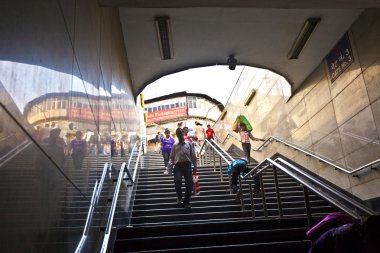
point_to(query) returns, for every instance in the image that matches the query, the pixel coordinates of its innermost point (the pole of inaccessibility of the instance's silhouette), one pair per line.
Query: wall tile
(317, 98)
(368, 45)
(367, 190)
(302, 136)
(363, 156)
(323, 123)
(329, 147)
(372, 81)
(366, 19)
(314, 78)
(297, 117)
(358, 131)
(336, 177)
(351, 100)
(376, 114)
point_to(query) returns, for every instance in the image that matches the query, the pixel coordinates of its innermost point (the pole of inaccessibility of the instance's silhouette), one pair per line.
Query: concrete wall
(339, 120)
(61, 62)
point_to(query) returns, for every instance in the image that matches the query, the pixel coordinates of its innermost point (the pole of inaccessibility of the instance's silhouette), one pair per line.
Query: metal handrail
(89, 218)
(309, 153)
(319, 187)
(219, 153)
(112, 211)
(115, 197)
(94, 201)
(105, 168)
(15, 151)
(130, 159)
(137, 163)
(225, 152)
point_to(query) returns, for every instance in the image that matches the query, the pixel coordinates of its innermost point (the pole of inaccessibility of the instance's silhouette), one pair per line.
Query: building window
(192, 102)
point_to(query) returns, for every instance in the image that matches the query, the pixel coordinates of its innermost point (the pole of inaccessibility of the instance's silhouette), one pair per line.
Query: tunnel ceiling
(257, 33)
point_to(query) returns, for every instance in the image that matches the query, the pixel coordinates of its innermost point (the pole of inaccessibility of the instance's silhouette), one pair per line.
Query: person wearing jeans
(167, 144)
(182, 156)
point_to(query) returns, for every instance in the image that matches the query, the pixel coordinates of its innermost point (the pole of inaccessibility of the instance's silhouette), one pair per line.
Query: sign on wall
(167, 114)
(340, 57)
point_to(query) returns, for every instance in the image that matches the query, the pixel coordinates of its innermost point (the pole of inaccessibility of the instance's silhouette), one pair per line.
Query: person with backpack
(182, 156)
(237, 167)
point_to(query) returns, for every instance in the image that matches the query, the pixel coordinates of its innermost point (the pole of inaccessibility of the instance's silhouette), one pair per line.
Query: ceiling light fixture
(231, 62)
(250, 97)
(303, 37)
(164, 37)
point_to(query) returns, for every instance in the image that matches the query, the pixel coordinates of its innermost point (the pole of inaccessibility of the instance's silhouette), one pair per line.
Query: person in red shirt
(209, 133)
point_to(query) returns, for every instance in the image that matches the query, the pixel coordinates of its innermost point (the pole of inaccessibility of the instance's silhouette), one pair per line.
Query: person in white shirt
(182, 156)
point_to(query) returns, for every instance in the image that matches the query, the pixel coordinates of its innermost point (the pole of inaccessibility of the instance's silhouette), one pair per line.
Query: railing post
(263, 196)
(209, 153)
(307, 205)
(229, 183)
(240, 194)
(213, 154)
(279, 204)
(221, 172)
(252, 201)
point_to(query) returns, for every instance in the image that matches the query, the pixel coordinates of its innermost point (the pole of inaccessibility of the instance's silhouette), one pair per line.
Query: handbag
(196, 186)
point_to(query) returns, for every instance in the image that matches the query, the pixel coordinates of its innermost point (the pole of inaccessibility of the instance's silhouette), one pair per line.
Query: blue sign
(340, 57)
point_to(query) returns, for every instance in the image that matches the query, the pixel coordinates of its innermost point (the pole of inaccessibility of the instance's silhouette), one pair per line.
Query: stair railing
(108, 228)
(221, 156)
(312, 154)
(308, 182)
(94, 202)
(15, 151)
(127, 173)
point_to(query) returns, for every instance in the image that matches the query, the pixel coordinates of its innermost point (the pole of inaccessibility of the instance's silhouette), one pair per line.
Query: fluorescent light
(303, 37)
(164, 37)
(251, 95)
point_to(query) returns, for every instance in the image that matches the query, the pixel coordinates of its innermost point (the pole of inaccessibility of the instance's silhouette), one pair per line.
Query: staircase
(215, 222)
(46, 210)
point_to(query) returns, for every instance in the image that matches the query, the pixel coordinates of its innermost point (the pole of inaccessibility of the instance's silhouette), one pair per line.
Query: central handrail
(107, 232)
(94, 201)
(129, 162)
(225, 152)
(312, 154)
(219, 153)
(88, 220)
(112, 211)
(335, 197)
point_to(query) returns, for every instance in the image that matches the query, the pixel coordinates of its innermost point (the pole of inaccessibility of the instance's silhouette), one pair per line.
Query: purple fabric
(167, 144)
(332, 220)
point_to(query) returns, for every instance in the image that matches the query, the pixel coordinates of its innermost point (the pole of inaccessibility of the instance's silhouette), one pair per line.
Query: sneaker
(166, 172)
(179, 201)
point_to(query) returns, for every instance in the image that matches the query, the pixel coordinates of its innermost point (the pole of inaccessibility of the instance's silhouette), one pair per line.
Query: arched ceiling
(206, 32)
